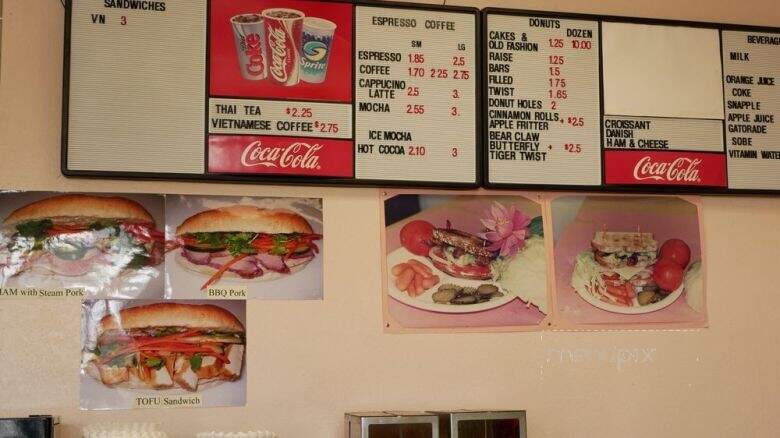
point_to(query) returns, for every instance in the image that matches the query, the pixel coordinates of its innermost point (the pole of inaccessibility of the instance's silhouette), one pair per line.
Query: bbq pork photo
(263, 247)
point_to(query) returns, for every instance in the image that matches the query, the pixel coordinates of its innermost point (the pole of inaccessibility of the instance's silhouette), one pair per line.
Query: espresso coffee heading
(411, 22)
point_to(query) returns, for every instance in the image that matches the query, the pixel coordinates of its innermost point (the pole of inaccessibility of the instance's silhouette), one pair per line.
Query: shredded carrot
(216, 276)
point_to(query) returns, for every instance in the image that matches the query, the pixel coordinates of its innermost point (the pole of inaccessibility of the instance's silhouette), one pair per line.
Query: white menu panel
(658, 134)
(661, 71)
(136, 87)
(278, 117)
(543, 91)
(415, 95)
(751, 70)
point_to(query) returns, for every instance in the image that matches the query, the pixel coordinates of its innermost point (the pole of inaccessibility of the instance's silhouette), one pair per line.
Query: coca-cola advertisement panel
(284, 49)
(670, 168)
(280, 155)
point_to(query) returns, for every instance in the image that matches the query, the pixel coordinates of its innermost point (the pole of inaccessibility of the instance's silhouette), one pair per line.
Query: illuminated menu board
(543, 99)
(574, 101)
(415, 88)
(273, 91)
(373, 93)
(751, 65)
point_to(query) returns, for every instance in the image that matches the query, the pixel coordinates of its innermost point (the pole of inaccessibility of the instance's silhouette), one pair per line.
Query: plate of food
(626, 272)
(451, 270)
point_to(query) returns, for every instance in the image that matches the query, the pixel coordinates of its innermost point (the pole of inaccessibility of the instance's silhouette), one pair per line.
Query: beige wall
(311, 361)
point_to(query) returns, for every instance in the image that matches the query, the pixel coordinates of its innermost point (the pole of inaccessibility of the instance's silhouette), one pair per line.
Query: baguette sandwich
(244, 241)
(75, 235)
(167, 345)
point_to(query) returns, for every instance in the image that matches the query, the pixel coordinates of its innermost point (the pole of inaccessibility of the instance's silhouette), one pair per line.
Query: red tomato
(676, 251)
(416, 237)
(667, 275)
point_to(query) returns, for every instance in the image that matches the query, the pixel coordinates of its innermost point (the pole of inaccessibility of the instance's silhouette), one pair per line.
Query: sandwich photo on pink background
(464, 262)
(628, 260)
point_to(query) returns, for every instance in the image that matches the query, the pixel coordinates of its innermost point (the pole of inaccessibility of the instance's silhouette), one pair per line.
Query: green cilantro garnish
(35, 229)
(154, 362)
(210, 239)
(195, 361)
(240, 243)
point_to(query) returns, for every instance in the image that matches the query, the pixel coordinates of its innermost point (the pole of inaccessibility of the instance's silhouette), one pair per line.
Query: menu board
(751, 63)
(575, 101)
(381, 94)
(287, 91)
(415, 89)
(543, 99)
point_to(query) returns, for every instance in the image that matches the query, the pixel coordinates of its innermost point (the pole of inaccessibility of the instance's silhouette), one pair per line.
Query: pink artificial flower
(506, 229)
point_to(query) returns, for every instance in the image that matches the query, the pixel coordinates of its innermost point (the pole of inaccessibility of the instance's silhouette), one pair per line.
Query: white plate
(636, 309)
(425, 301)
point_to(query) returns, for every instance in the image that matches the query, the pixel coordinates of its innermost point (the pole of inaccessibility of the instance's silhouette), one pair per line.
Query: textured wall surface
(309, 362)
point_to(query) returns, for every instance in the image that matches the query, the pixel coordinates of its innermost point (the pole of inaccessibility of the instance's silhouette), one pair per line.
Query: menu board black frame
(284, 179)
(603, 187)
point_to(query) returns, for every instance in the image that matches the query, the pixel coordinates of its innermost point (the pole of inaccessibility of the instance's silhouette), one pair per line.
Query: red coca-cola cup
(283, 29)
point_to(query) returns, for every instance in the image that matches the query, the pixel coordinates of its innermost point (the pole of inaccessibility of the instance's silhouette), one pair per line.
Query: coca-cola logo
(254, 54)
(277, 39)
(297, 155)
(681, 169)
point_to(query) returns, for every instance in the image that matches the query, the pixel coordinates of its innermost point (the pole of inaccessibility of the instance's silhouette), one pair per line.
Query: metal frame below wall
(645, 189)
(280, 179)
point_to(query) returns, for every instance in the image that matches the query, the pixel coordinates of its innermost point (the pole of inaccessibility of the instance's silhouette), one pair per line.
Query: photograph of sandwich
(629, 270)
(466, 254)
(261, 244)
(628, 256)
(174, 348)
(105, 244)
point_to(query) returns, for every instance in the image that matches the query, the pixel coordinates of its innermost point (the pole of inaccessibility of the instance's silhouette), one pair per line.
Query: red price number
(326, 127)
(416, 58)
(454, 111)
(455, 94)
(413, 91)
(572, 148)
(459, 61)
(417, 151)
(555, 71)
(556, 60)
(439, 73)
(557, 94)
(581, 44)
(556, 43)
(576, 121)
(415, 109)
(416, 72)
(557, 82)
(298, 112)
(461, 74)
